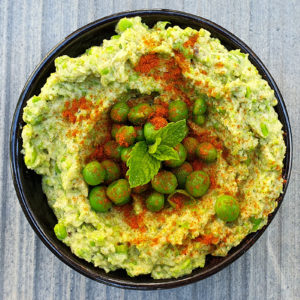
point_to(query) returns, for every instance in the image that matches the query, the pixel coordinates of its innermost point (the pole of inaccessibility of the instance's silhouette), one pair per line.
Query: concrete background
(28, 30)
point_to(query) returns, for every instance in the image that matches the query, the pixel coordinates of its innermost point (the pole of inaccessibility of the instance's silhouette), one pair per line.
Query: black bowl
(28, 184)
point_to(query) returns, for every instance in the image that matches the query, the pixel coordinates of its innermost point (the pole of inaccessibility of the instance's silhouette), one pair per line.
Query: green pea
(264, 129)
(150, 133)
(227, 208)
(164, 182)
(124, 24)
(197, 183)
(121, 249)
(182, 173)
(93, 173)
(177, 111)
(112, 170)
(139, 114)
(125, 136)
(104, 71)
(139, 133)
(141, 188)
(199, 107)
(119, 112)
(125, 153)
(255, 222)
(60, 231)
(207, 152)
(115, 127)
(190, 144)
(182, 153)
(155, 202)
(112, 149)
(98, 199)
(119, 192)
(199, 119)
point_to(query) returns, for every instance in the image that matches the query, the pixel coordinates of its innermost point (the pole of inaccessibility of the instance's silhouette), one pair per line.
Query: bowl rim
(167, 283)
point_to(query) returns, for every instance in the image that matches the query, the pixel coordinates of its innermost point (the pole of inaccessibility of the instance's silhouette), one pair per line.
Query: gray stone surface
(28, 30)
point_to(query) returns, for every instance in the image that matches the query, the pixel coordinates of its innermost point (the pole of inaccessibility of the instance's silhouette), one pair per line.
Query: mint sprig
(145, 160)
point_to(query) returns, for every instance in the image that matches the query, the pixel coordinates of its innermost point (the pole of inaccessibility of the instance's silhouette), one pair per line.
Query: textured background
(28, 30)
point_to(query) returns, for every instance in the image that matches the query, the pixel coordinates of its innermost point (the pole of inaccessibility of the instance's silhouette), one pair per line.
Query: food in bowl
(155, 149)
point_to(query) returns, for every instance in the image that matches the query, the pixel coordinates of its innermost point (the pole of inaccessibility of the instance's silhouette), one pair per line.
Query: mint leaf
(173, 133)
(164, 152)
(153, 148)
(142, 166)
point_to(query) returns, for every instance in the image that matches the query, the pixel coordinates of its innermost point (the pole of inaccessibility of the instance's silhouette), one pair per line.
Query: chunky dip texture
(71, 123)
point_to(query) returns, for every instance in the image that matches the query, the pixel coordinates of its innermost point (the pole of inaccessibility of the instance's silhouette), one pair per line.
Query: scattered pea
(197, 183)
(60, 231)
(119, 192)
(139, 133)
(98, 199)
(227, 208)
(164, 182)
(139, 113)
(112, 149)
(155, 202)
(150, 132)
(125, 153)
(93, 173)
(124, 24)
(190, 144)
(125, 136)
(119, 112)
(112, 170)
(199, 107)
(182, 153)
(115, 127)
(182, 173)
(199, 119)
(207, 152)
(177, 111)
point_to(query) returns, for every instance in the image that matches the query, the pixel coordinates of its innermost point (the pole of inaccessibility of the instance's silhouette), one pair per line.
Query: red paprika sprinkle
(158, 122)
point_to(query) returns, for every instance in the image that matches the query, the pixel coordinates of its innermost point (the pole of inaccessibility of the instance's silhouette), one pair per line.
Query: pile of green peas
(131, 125)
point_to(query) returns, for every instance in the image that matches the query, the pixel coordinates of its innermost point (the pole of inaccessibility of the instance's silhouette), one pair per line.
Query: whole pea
(199, 107)
(177, 111)
(93, 173)
(98, 199)
(125, 153)
(182, 153)
(119, 192)
(155, 202)
(139, 114)
(119, 112)
(139, 133)
(112, 149)
(150, 132)
(182, 173)
(227, 208)
(124, 24)
(197, 183)
(60, 231)
(125, 136)
(207, 152)
(164, 182)
(190, 144)
(199, 119)
(115, 127)
(112, 170)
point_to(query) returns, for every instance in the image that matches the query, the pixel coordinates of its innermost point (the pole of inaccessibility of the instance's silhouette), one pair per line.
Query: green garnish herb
(144, 161)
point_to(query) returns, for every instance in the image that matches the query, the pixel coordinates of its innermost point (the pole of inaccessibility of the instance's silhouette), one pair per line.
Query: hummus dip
(68, 122)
